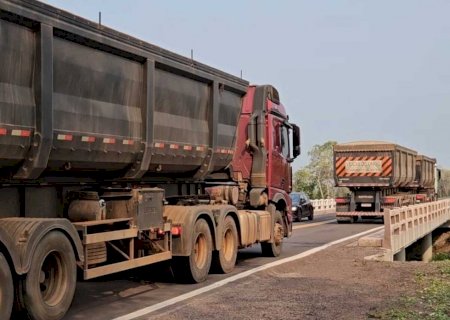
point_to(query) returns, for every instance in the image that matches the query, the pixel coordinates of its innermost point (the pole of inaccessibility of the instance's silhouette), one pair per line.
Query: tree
(321, 167)
(304, 181)
(317, 178)
(444, 184)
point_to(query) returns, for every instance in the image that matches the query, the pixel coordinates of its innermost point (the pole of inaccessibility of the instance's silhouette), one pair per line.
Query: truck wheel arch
(21, 236)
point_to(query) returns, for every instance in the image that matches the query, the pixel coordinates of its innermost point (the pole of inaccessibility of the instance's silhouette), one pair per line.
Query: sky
(346, 70)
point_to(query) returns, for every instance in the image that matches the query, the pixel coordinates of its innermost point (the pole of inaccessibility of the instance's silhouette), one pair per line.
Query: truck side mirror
(296, 140)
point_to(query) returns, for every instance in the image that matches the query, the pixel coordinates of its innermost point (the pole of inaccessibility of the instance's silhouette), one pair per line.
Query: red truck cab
(267, 143)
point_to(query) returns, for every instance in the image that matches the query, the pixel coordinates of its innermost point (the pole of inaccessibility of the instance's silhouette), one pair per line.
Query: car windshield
(295, 197)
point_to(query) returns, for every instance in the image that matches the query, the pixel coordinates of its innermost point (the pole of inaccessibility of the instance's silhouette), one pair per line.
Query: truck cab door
(279, 171)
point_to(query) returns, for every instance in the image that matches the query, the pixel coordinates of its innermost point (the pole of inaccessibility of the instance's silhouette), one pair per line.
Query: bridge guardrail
(324, 205)
(404, 226)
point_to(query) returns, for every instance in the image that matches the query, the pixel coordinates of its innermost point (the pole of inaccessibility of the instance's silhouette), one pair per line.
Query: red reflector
(389, 200)
(341, 200)
(420, 196)
(176, 231)
(3, 131)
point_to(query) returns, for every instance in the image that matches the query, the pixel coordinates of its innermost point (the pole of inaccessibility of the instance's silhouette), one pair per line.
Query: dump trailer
(117, 154)
(380, 175)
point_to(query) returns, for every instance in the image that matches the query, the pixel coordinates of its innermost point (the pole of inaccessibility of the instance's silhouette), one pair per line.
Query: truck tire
(6, 289)
(273, 249)
(49, 286)
(224, 260)
(195, 267)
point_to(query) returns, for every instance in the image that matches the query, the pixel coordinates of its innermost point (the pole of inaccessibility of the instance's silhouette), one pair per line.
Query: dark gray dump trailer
(79, 100)
(116, 154)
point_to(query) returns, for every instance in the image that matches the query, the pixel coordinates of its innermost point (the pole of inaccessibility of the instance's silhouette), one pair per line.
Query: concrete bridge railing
(404, 226)
(324, 205)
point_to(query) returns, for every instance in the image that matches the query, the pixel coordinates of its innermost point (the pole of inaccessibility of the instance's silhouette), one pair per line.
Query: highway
(122, 294)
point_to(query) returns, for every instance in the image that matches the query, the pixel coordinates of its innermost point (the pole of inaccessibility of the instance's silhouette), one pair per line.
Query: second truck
(116, 154)
(380, 175)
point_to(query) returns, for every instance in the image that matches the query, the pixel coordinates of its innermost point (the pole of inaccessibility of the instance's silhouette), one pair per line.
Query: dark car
(301, 206)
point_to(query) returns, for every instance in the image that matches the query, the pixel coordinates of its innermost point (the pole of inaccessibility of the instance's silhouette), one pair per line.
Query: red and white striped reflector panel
(174, 146)
(187, 148)
(87, 139)
(65, 137)
(21, 133)
(200, 148)
(159, 145)
(109, 140)
(128, 142)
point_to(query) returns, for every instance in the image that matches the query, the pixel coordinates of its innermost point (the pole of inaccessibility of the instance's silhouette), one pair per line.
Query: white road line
(312, 224)
(164, 304)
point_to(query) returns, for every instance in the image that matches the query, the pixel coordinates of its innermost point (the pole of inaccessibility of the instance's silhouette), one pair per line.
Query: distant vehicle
(381, 175)
(301, 206)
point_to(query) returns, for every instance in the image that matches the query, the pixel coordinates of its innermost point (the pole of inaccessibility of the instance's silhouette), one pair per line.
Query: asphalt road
(117, 295)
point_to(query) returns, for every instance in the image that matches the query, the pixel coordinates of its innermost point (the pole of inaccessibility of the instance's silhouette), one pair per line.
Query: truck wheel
(224, 260)
(273, 249)
(49, 286)
(6, 289)
(195, 267)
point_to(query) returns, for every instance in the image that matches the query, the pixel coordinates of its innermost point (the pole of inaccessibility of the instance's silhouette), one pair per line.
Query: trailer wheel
(273, 249)
(49, 286)
(224, 260)
(6, 289)
(195, 267)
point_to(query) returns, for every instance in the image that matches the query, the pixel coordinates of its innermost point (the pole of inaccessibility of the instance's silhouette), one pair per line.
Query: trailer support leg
(377, 202)
(352, 202)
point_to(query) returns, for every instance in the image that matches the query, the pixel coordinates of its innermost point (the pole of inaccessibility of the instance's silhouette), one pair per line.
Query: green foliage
(444, 184)
(304, 181)
(432, 301)
(317, 178)
(441, 256)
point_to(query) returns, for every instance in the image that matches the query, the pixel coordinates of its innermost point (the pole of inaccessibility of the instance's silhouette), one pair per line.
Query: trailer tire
(6, 289)
(49, 286)
(195, 267)
(273, 249)
(224, 259)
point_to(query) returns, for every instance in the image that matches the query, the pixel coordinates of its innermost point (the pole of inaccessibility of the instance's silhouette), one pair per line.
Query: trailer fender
(186, 216)
(21, 236)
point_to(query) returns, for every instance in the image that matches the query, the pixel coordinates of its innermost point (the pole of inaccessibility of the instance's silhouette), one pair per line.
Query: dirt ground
(336, 283)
